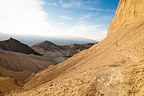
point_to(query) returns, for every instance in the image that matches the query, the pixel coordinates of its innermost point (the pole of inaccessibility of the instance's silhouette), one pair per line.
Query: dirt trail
(131, 59)
(116, 72)
(109, 81)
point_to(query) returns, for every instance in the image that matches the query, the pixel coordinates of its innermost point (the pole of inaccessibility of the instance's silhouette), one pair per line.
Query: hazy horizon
(59, 40)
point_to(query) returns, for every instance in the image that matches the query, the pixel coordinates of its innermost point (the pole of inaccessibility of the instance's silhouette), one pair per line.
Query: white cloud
(110, 10)
(92, 8)
(86, 16)
(66, 18)
(85, 28)
(95, 32)
(28, 17)
(61, 23)
(23, 17)
(52, 4)
(73, 4)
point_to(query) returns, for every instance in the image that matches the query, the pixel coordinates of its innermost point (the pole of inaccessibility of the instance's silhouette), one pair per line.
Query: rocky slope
(75, 48)
(17, 67)
(113, 67)
(8, 84)
(59, 53)
(16, 46)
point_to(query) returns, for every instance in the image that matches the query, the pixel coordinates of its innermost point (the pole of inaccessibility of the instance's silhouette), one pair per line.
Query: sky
(80, 18)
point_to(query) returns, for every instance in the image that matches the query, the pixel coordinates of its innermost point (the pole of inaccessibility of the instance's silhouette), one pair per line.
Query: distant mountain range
(59, 53)
(19, 61)
(59, 40)
(16, 46)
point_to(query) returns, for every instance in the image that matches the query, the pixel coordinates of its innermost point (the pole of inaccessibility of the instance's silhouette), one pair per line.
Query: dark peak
(12, 39)
(16, 46)
(45, 43)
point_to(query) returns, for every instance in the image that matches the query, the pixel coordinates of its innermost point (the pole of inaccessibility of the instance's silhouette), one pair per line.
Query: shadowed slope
(60, 53)
(21, 66)
(16, 46)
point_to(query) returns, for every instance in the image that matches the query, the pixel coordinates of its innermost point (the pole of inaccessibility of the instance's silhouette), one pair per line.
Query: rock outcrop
(113, 67)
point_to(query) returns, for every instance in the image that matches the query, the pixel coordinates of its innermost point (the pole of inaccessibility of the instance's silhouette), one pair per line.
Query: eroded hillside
(59, 53)
(17, 67)
(113, 67)
(21, 66)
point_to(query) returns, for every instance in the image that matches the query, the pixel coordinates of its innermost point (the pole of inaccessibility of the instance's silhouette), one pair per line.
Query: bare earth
(16, 67)
(113, 67)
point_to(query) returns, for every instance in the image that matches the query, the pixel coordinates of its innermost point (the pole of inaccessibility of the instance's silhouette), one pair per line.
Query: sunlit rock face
(113, 67)
(127, 12)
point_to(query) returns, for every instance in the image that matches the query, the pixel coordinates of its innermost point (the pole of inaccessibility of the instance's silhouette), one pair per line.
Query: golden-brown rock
(8, 84)
(113, 67)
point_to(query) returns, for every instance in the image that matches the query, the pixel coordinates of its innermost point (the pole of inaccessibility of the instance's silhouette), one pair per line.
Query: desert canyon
(113, 67)
(19, 62)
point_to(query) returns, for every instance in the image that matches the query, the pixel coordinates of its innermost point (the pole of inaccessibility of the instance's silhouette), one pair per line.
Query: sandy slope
(7, 84)
(113, 67)
(20, 66)
(15, 67)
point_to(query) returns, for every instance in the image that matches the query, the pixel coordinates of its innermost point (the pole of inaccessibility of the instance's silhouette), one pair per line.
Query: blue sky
(93, 16)
(81, 18)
